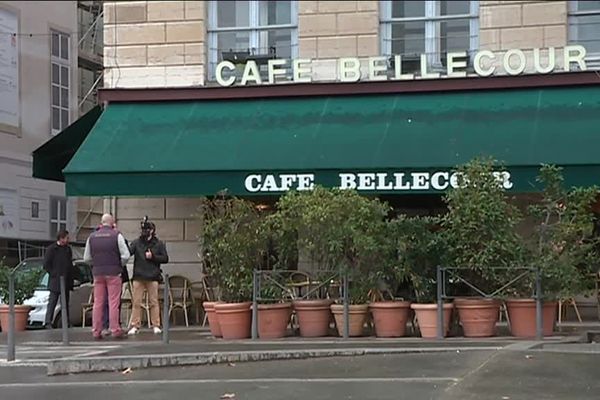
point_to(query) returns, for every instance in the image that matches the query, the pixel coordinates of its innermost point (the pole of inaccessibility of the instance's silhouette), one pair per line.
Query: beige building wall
(154, 43)
(328, 30)
(524, 25)
(163, 44)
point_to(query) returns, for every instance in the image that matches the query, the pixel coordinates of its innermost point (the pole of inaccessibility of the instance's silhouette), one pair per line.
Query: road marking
(472, 372)
(211, 381)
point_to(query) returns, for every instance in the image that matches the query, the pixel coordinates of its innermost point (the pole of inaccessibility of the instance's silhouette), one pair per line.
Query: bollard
(166, 300)
(440, 304)
(10, 356)
(255, 283)
(539, 318)
(346, 307)
(64, 313)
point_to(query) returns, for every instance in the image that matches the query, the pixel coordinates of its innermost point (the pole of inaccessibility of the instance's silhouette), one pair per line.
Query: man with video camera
(149, 253)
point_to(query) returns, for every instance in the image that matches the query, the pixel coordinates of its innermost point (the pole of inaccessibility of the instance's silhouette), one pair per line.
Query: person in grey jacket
(149, 253)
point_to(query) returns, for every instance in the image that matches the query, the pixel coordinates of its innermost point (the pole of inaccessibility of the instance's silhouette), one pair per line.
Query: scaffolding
(90, 52)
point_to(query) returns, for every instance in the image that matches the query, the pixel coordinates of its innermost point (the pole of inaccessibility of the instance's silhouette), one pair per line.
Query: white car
(39, 302)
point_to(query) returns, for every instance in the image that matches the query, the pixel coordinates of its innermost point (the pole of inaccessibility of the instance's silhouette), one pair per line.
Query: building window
(61, 80)
(584, 29)
(260, 30)
(58, 215)
(35, 209)
(434, 28)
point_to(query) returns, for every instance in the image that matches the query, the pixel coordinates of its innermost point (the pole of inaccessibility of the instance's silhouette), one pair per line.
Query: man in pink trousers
(107, 251)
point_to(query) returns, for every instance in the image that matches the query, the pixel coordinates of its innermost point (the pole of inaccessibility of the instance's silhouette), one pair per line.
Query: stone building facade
(166, 44)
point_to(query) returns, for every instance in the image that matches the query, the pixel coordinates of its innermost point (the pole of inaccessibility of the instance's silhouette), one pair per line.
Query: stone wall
(163, 43)
(154, 43)
(525, 25)
(328, 30)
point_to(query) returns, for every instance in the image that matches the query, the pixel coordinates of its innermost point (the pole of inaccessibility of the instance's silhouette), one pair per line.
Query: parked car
(39, 302)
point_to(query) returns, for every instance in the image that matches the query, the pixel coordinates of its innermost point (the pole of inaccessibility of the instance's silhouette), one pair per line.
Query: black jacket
(148, 270)
(58, 261)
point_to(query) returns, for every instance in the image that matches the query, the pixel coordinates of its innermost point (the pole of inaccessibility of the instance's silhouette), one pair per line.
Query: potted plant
(561, 247)
(361, 238)
(296, 228)
(213, 320)
(480, 232)
(420, 251)
(391, 315)
(341, 231)
(26, 281)
(234, 245)
(274, 313)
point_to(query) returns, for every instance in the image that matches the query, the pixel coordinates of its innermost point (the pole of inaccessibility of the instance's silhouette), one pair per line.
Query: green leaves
(235, 242)
(25, 283)
(562, 244)
(417, 251)
(338, 229)
(480, 227)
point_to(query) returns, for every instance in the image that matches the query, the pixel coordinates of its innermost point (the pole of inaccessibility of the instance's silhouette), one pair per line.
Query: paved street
(481, 375)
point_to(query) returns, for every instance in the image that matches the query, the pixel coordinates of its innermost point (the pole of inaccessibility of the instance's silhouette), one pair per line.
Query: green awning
(50, 158)
(380, 141)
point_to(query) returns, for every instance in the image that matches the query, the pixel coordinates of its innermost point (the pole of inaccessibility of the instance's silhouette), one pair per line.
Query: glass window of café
(239, 31)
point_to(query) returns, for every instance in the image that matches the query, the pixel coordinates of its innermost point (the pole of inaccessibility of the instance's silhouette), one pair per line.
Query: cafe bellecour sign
(387, 182)
(484, 63)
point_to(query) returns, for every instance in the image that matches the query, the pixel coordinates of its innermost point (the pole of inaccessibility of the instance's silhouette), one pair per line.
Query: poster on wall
(9, 213)
(9, 71)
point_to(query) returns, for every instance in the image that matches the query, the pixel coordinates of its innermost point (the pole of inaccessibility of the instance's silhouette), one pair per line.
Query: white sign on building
(9, 213)
(9, 71)
(349, 69)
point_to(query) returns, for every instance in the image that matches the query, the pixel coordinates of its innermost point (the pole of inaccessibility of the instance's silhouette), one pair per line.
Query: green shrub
(26, 282)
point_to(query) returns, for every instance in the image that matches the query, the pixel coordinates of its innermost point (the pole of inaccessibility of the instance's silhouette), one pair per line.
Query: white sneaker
(133, 331)
(157, 330)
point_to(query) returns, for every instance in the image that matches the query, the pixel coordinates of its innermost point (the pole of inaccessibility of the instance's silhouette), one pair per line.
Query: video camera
(147, 227)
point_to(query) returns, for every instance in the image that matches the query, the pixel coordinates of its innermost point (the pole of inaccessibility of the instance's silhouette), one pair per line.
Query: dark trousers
(52, 302)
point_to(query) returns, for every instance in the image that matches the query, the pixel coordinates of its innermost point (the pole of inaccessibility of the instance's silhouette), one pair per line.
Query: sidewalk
(197, 347)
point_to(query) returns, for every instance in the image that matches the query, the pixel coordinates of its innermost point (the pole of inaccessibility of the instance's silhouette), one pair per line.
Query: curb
(118, 363)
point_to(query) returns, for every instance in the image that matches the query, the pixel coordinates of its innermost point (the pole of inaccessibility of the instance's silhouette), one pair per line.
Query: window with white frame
(432, 27)
(35, 209)
(251, 29)
(58, 215)
(61, 80)
(584, 29)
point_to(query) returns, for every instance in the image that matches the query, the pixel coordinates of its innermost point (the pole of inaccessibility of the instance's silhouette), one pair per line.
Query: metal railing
(444, 273)
(11, 346)
(281, 279)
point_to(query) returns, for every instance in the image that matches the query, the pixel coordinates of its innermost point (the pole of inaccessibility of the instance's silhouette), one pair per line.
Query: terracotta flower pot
(427, 318)
(273, 320)
(21, 317)
(235, 319)
(478, 316)
(213, 320)
(314, 317)
(357, 315)
(521, 313)
(390, 318)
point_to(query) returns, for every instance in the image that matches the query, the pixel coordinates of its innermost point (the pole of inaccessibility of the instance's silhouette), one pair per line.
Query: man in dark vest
(107, 251)
(58, 261)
